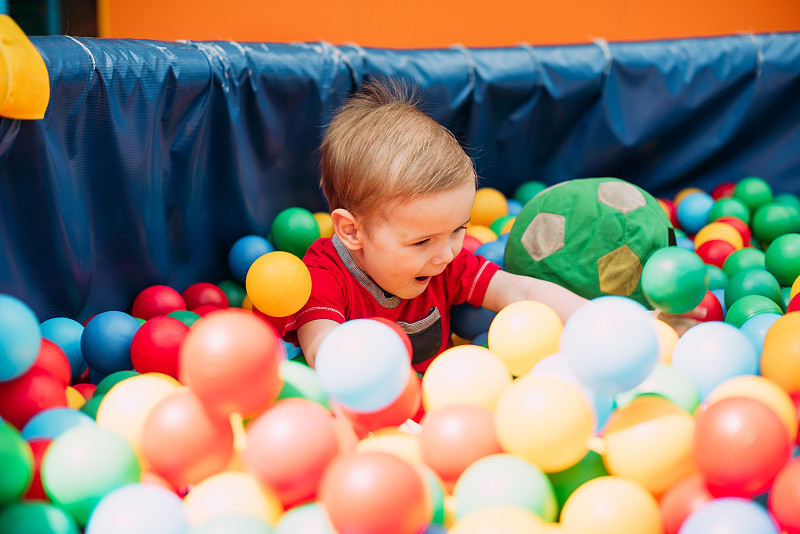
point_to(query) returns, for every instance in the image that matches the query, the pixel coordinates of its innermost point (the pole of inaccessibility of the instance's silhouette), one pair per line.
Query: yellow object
(278, 283)
(544, 420)
(507, 519)
(763, 390)
(611, 505)
(490, 204)
(721, 231)
(523, 333)
(24, 81)
(683, 193)
(231, 492)
(393, 441)
(482, 233)
(74, 398)
(650, 441)
(325, 223)
(466, 374)
(795, 288)
(667, 339)
(780, 359)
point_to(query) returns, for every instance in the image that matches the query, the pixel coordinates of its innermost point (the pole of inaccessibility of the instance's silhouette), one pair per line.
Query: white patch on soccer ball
(544, 235)
(621, 196)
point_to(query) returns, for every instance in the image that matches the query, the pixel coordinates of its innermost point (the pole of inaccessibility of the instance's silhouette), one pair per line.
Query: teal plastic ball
(752, 282)
(753, 191)
(782, 258)
(293, 230)
(748, 307)
(674, 280)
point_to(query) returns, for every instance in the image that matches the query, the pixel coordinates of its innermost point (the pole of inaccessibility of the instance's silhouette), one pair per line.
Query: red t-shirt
(341, 291)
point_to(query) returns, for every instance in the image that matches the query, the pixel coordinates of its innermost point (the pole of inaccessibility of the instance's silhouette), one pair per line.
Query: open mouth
(422, 278)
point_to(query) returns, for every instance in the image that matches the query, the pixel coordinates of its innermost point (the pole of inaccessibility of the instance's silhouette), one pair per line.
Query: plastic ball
(106, 341)
(567, 481)
(468, 374)
(308, 518)
(293, 231)
(468, 321)
(244, 252)
(674, 280)
(29, 394)
(782, 258)
(724, 189)
(612, 505)
(51, 423)
(482, 233)
(85, 463)
(278, 283)
(681, 499)
(289, 446)
(363, 364)
(299, 380)
(780, 358)
(401, 443)
(784, 496)
(155, 346)
(714, 252)
(204, 294)
(66, 333)
(523, 333)
(650, 441)
(711, 352)
(490, 204)
(717, 278)
(719, 231)
(514, 207)
(748, 306)
(500, 519)
(37, 517)
(324, 222)
(404, 407)
(185, 316)
(375, 492)
(126, 407)
(137, 508)
(693, 210)
(753, 191)
(610, 344)
(532, 403)
(664, 381)
(232, 523)
(756, 328)
(763, 390)
(685, 192)
(35, 490)
(740, 444)
(245, 384)
(773, 220)
(730, 515)
(502, 225)
(16, 462)
(729, 207)
(709, 309)
(20, 337)
(752, 282)
(504, 480)
(744, 258)
(234, 292)
(454, 437)
(528, 189)
(231, 493)
(471, 243)
(494, 251)
(53, 360)
(157, 300)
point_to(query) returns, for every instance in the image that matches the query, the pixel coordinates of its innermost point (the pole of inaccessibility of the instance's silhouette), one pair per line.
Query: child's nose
(444, 255)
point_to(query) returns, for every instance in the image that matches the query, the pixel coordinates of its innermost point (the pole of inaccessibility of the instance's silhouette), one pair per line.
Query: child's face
(416, 240)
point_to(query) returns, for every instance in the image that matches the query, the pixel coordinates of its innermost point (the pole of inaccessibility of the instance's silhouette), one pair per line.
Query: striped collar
(388, 301)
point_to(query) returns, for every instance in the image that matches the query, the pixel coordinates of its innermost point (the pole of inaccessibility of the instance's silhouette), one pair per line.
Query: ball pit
(609, 422)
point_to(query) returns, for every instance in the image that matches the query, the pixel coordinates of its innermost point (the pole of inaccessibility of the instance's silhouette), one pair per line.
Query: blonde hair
(380, 147)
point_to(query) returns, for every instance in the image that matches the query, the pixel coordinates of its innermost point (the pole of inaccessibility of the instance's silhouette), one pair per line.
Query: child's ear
(346, 228)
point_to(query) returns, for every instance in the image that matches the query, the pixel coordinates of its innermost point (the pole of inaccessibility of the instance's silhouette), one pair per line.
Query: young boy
(400, 190)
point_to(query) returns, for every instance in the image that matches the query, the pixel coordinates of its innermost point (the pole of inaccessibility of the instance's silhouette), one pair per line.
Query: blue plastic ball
(20, 337)
(66, 333)
(692, 212)
(138, 507)
(494, 251)
(244, 252)
(729, 515)
(468, 321)
(514, 206)
(106, 341)
(51, 423)
(756, 327)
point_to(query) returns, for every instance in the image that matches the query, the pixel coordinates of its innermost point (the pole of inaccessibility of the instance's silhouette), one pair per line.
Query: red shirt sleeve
(468, 277)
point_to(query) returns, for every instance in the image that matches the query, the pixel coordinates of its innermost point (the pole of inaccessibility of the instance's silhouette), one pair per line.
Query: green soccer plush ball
(590, 235)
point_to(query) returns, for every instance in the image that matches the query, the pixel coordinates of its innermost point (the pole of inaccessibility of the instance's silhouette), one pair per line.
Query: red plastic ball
(155, 346)
(402, 408)
(681, 499)
(725, 189)
(29, 394)
(52, 359)
(794, 304)
(86, 389)
(742, 227)
(709, 309)
(205, 309)
(204, 293)
(784, 497)
(471, 243)
(715, 252)
(400, 332)
(38, 447)
(157, 300)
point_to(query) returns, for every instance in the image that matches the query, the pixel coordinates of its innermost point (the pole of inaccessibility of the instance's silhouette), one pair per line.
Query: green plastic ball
(293, 230)
(497, 225)
(753, 191)
(567, 481)
(717, 278)
(749, 306)
(789, 199)
(674, 280)
(666, 381)
(235, 292)
(744, 258)
(752, 282)
(84, 464)
(36, 517)
(782, 258)
(300, 380)
(729, 207)
(111, 380)
(91, 406)
(16, 465)
(786, 298)
(187, 317)
(528, 190)
(773, 220)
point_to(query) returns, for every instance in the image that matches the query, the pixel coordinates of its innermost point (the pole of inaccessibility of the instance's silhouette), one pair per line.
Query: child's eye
(421, 243)
(460, 229)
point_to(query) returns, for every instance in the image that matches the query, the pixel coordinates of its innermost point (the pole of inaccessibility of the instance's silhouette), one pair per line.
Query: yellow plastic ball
(611, 505)
(523, 333)
(482, 233)
(325, 223)
(683, 193)
(278, 283)
(667, 339)
(74, 398)
(544, 420)
(780, 358)
(650, 441)
(231, 492)
(720, 231)
(466, 374)
(392, 441)
(506, 519)
(763, 390)
(490, 204)
(795, 288)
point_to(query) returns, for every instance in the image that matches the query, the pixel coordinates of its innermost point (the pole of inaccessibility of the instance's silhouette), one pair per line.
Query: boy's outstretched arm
(506, 288)
(310, 336)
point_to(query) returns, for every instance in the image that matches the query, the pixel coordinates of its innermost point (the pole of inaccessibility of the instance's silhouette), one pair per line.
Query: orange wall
(442, 23)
